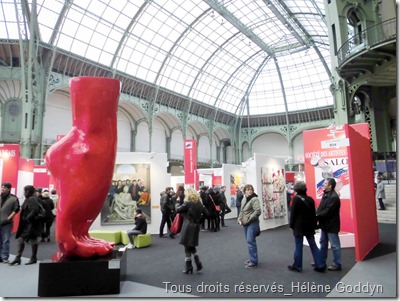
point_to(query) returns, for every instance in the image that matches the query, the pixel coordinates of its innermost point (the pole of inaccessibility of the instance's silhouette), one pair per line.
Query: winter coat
(9, 204)
(328, 212)
(29, 226)
(239, 198)
(165, 203)
(303, 220)
(250, 210)
(48, 206)
(192, 213)
(380, 191)
(140, 223)
(210, 206)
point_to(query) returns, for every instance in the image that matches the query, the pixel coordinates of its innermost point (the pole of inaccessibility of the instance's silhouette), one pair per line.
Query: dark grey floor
(156, 271)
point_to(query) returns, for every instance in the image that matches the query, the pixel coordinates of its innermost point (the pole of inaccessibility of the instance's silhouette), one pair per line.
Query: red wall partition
(344, 152)
(362, 189)
(325, 155)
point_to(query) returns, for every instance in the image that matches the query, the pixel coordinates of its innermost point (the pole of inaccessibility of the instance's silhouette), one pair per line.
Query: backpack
(42, 213)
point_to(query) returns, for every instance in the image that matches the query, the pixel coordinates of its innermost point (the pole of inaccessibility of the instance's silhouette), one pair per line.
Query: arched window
(354, 28)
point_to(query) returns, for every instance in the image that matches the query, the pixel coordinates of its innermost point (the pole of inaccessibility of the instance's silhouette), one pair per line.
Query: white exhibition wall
(248, 173)
(253, 177)
(159, 179)
(24, 178)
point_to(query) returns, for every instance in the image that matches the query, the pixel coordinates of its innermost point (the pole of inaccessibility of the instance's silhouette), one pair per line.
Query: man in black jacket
(9, 207)
(328, 215)
(140, 227)
(239, 198)
(166, 208)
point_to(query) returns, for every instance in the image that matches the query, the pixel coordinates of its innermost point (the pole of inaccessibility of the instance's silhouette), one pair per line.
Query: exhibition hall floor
(156, 271)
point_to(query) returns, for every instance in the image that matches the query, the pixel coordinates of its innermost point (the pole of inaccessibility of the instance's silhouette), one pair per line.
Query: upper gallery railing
(371, 36)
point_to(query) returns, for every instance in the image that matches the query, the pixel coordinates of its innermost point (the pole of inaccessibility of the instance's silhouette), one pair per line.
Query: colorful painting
(235, 182)
(129, 190)
(273, 193)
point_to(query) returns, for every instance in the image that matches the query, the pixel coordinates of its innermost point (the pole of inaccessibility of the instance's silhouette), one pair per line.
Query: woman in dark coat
(192, 210)
(29, 227)
(303, 222)
(48, 220)
(214, 198)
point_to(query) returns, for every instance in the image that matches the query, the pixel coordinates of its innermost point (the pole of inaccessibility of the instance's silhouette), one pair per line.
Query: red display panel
(190, 162)
(362, 189)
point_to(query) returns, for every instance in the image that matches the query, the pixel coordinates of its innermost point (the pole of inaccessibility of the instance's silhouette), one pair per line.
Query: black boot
(34, 253)
(198, 263)
(17, 259)
(188, 266)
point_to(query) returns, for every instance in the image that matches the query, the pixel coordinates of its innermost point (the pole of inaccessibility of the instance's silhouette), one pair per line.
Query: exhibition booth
(340, 152)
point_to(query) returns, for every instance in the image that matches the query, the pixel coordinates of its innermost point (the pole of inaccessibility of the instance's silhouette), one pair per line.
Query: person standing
(239, 198)
(9, 207)
(192, 210)
(205, 200)
(289, 193)
(29, 227)
(303, 222)
(249, 219)
(166, 211)
(224, 206)
(328, 216)
(54, 198)
(380, 193)
(140, 227)
(48, 206)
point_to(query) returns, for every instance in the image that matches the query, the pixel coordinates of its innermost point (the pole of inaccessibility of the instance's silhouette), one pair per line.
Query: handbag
(217, 208)
(258, 230)
(176, 226)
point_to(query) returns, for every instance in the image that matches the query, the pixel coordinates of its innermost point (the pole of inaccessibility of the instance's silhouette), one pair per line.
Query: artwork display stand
(82, 276)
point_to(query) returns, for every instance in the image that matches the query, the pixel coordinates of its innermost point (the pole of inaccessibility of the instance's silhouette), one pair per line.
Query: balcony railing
(374, 35)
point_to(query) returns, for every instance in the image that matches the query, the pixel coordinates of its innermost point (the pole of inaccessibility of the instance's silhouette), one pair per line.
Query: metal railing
(371, 36)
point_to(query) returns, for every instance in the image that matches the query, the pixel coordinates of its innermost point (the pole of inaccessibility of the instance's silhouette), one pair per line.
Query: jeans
(238, 211)
(5, 232)
(250, 236)
(46, 228)
(132, 233)
(333, 238)
(298, 252)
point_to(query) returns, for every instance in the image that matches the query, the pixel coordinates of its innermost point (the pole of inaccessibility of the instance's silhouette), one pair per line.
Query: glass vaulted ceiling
(240, 56)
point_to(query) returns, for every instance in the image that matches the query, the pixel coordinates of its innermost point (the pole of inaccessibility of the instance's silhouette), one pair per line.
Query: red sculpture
(82, 164)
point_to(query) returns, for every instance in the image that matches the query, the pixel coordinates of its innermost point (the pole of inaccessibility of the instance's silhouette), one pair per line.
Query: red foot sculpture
(82, 164)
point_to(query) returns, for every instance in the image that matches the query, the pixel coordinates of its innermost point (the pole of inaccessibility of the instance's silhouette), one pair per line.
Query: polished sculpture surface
(82, 164)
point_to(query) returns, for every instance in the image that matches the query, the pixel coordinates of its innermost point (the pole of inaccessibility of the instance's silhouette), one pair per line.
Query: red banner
(190, 162)
(9, 159)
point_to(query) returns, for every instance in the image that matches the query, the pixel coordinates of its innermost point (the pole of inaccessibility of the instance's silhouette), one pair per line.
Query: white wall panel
(158, 138)
(142, 138)
(271, 144)
(177, 145)
(203, 149)
(57, 117)
(123, 133)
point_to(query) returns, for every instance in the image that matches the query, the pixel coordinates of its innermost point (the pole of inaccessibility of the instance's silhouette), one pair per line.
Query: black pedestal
(82, 276)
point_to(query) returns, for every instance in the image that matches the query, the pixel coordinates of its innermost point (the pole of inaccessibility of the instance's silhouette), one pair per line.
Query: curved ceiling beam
(127, 31)
(285, 19)
(214, 4)
(309, 40)
(244, 63)
(240, 107)
(283, 92)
